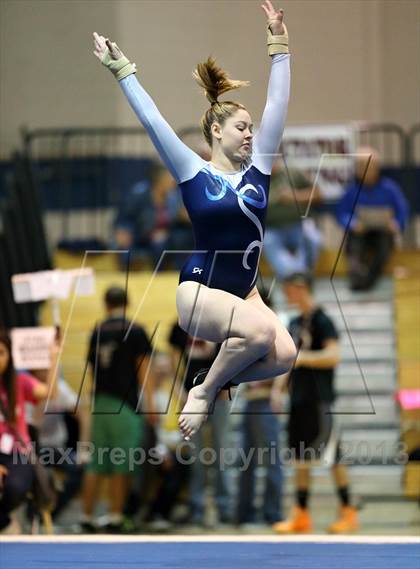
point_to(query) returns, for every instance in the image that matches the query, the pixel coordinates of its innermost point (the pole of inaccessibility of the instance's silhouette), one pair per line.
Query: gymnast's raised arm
(181, 161)
(267, 139)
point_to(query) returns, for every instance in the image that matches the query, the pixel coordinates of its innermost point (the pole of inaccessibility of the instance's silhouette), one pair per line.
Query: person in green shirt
(291, 242)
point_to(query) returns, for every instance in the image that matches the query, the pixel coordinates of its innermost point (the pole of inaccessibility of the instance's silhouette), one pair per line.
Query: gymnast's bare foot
(195, 411)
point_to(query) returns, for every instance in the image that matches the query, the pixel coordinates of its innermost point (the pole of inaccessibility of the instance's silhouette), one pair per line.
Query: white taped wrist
(279, 43)
(120, 68)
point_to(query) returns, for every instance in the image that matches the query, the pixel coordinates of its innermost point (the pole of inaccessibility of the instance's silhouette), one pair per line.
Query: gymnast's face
(235, 136)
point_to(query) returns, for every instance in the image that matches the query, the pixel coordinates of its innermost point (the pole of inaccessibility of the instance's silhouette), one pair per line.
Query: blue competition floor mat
(250, 554)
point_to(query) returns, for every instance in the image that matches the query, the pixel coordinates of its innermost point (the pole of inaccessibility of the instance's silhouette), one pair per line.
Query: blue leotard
(228, 224)
(227, 211)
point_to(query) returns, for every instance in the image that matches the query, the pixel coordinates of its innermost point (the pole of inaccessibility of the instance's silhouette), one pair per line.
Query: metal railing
(390, 140)
(88, 169)
(413, 145)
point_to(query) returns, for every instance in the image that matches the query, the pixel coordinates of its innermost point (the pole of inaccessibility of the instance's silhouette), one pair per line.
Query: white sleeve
(180, 160)
(268, 137)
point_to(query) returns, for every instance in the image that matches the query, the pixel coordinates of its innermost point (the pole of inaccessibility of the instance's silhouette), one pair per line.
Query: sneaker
(254, 527)
(114, 528)
(84, 527)
(109, 523)
(347, 521)
(299, 521)
(158, 523)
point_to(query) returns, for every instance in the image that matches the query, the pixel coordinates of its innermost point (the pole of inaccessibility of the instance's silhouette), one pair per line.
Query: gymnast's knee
(262, 338)
(286, 355)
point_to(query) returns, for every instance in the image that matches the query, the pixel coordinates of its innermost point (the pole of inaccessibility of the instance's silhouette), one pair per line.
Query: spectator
(47, 427)
(198, 354)
(152, 219)
(373, 212)
(260, 430)
(291, 243)
(17, 389)
(119, 358)
(311, 430)
(53, 441)
(172, 474)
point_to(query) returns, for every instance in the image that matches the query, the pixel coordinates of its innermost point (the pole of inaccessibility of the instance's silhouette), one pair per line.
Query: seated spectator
(17, 389)
(152, 219)
(373, 212)
(291, 243)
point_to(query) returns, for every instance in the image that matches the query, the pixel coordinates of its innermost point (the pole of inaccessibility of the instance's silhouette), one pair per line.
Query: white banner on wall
(325, 153)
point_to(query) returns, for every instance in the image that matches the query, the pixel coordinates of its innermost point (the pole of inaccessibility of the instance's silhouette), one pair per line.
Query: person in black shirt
(119, 357)
(311, 383)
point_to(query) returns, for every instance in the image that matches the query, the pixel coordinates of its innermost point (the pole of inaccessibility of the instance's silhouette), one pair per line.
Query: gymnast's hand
(110, 55)
(274, 18)
(103, 44)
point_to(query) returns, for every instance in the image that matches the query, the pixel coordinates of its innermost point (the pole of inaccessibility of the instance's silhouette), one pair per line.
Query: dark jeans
(73, 473)
(216, 425)
(144, 479)
(260, 432)
(172, 480)
(367, 254)
(16, 485)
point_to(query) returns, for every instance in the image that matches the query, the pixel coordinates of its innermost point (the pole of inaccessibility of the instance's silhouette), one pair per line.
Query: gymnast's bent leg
(252, 340)
(282, 354)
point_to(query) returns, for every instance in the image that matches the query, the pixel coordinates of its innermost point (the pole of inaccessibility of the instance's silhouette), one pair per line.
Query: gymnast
(226, 199)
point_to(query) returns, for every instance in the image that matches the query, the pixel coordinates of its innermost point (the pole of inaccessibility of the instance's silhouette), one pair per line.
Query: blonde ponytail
(215, 81)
